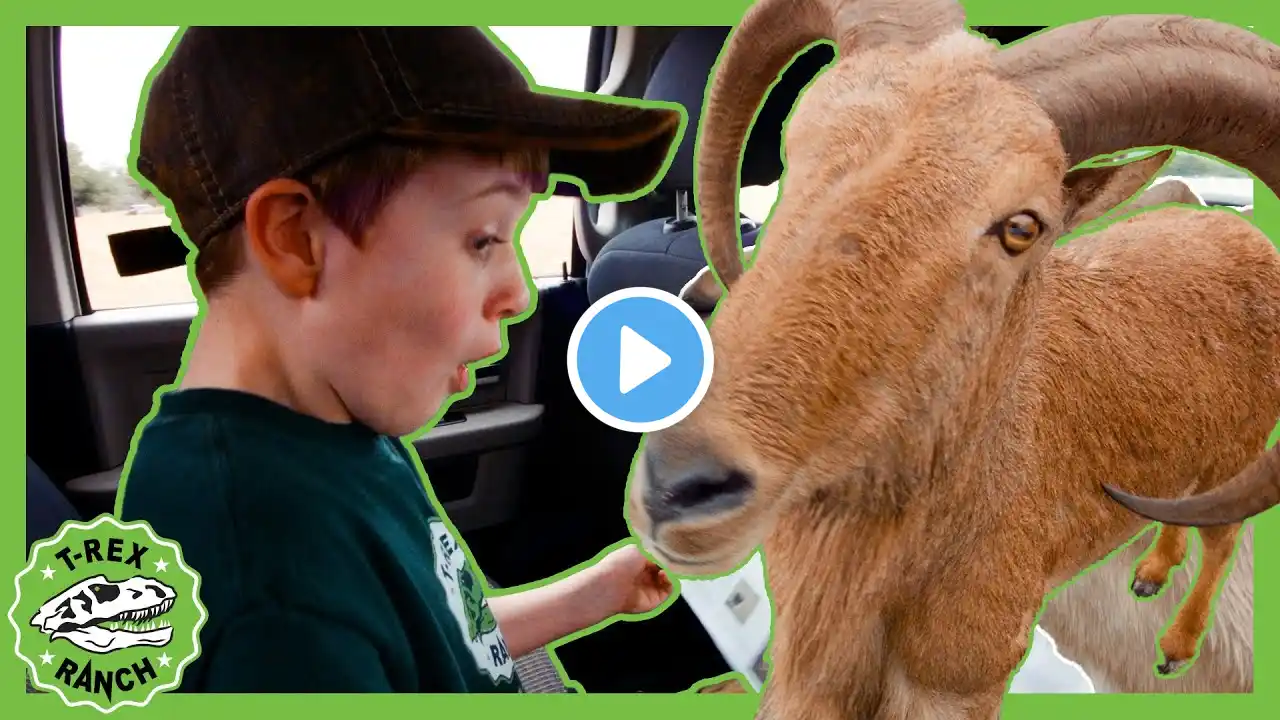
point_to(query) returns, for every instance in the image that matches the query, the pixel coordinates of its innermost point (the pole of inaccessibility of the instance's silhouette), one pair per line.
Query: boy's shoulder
(209, 442)
(259, 502)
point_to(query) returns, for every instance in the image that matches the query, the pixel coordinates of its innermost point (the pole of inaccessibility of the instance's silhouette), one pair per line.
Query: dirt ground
(546, 242)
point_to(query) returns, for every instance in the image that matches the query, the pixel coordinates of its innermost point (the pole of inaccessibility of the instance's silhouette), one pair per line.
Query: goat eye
(1018, 232)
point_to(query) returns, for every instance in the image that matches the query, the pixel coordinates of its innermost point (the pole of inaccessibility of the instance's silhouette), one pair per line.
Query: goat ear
(703, 292)
(1094, 191)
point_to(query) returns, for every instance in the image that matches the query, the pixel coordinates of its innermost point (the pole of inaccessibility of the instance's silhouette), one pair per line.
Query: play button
(640, 360)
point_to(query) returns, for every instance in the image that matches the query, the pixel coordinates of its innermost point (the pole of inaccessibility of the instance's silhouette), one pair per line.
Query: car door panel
(126, 355)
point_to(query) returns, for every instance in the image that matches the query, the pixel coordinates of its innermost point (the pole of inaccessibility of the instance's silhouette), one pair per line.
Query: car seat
(47, 510)
(47, 507)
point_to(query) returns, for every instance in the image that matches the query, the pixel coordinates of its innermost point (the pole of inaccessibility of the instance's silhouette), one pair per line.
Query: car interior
(533, 482)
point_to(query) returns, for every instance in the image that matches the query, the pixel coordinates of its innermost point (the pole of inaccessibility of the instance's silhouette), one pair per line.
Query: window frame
(72, 237)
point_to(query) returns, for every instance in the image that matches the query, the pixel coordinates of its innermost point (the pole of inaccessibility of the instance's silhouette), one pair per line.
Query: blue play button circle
(640, 359)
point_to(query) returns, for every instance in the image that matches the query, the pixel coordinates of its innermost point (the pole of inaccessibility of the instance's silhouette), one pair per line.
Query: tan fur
(1169, 191)
(1096, 620)
(916, 422)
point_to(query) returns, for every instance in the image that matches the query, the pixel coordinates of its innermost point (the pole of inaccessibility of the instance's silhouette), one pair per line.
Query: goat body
(962, 563)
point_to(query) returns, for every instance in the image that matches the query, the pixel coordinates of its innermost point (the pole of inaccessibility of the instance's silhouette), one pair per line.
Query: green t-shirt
(324, 564)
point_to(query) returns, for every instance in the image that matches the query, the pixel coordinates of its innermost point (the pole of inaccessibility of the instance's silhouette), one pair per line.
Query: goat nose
(705, 489)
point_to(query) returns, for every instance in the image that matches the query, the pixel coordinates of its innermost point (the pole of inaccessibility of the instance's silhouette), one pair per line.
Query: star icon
(47, 572)
(46, 658)
(161, 565)
(165, 659)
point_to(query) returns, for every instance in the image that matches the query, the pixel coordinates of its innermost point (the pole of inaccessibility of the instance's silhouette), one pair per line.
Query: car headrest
(682, 74)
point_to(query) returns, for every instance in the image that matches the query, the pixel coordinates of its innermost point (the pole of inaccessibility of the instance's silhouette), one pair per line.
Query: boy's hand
(628, 582)
(624, 582)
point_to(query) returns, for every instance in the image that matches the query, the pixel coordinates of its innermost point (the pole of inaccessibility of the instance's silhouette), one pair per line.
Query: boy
(352, 194)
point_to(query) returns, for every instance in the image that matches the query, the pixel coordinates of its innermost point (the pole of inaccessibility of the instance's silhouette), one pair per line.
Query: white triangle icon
(638, 361)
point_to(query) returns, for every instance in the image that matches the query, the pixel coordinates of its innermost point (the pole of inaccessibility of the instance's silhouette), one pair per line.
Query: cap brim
(612, 147)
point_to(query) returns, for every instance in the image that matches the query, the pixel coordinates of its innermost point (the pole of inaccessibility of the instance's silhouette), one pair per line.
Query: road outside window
(103, 72)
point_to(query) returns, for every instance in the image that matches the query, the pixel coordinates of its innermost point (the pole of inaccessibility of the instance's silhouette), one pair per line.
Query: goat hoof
(1170, 667)
(1145, 588)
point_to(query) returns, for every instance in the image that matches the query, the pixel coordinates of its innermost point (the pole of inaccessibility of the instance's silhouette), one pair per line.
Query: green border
(1263, 17)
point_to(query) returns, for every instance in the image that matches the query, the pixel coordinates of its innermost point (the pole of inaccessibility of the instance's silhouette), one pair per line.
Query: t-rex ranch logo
(465, 596)
(107, 614)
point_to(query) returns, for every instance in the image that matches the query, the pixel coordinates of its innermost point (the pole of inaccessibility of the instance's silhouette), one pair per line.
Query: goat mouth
(666, 558)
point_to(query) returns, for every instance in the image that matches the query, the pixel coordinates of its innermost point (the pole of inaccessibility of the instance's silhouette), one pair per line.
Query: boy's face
(394, 320)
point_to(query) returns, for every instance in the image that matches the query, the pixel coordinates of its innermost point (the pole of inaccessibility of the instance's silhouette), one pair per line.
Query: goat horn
(1115, 83)
(1252, 491)
(764, 42)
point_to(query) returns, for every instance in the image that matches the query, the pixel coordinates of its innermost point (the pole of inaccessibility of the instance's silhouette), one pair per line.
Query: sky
(103, 70)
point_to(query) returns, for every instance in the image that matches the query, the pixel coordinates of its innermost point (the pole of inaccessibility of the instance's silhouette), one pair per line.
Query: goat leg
(1167, 552)
(1181, 642)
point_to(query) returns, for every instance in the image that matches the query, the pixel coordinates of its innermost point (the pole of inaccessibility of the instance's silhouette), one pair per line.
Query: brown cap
(234, 107)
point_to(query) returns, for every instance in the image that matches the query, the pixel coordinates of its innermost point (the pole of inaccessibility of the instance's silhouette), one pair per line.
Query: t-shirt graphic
(466, 598)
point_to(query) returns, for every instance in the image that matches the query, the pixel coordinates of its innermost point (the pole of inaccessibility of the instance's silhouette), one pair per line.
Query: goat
(916, 390)
(1091, 620)
(1172, 190)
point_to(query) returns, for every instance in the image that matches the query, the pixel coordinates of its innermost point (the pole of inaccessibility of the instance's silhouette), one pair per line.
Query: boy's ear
(278, 236)
(1092, 192)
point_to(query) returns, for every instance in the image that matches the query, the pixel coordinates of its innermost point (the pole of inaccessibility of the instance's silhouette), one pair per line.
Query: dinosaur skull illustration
(101, 615)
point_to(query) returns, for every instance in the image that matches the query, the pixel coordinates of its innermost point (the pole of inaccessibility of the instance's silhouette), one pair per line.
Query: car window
(103, 71)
